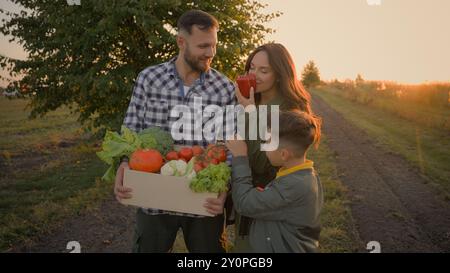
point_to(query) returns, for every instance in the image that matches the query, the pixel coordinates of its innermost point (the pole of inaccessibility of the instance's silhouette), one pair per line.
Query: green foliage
(87, 56)
(310, 75)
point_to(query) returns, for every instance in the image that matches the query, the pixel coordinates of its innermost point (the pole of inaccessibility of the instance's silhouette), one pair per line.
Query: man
(157, 90)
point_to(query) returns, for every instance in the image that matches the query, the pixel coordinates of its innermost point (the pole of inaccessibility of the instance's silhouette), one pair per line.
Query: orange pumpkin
(146, 160)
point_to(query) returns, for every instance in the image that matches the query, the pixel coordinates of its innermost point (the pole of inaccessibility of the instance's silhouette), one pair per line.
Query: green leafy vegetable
(156, 138)
(116, 145)
(213, 178)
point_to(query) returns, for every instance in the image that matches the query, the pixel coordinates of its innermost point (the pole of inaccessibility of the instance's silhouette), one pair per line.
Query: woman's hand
(243, 100)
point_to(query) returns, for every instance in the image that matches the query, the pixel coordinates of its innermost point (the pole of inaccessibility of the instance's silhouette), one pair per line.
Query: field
(49, 172)
(392, 155)
(51, 192)
(417, 131)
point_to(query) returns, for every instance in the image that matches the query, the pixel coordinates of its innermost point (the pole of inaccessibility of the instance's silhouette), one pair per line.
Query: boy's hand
(237, 147)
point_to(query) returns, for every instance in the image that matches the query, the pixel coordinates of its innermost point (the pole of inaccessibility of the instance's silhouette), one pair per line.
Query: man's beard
(194, 63)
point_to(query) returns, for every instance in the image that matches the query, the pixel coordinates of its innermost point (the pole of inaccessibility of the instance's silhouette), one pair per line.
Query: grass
(424, 114)
(420, 114)
(45, 183)
(425, 147)
(339, 233)
(36, 205)
(19, 134)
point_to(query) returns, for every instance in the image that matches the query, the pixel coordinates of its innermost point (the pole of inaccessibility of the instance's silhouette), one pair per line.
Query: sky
(400, 40)
(407, 41)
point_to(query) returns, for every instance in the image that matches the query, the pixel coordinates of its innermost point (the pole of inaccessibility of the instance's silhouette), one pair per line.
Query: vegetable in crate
(172, 155)
(146, 160)
(116, 145)
(213, 178)
(163, 141)
(214, 155)
(179, 168)
(197, 150)
(217, 152)
(185, 153)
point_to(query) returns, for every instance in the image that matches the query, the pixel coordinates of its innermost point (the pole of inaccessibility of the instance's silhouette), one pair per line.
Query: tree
(87, 56)
(359, 80)
(310, 75)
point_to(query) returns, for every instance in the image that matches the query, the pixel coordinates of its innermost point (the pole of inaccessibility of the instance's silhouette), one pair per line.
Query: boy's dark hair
(299, 130)
(202, 19)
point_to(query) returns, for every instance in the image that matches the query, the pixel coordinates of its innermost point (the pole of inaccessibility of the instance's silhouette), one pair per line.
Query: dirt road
(390, 201)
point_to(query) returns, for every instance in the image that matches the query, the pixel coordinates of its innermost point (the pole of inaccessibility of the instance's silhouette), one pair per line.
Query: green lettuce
(213, 178)
(116, 145)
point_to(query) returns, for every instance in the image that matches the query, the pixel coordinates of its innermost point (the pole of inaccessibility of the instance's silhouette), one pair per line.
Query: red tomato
(172, 156)
(197, 150)
(205, 164)
(215, 161)
(211, 154)
(198, 167)
(221, 155)
(217, 152)
(185, 153)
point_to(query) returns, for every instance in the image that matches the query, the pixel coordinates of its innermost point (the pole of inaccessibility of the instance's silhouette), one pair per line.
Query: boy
(286, 212)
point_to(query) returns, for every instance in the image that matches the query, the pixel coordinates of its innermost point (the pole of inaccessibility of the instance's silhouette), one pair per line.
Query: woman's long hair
(289, 87)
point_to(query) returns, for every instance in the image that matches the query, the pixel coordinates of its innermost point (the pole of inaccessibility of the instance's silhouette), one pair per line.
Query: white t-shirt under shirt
(186, 89)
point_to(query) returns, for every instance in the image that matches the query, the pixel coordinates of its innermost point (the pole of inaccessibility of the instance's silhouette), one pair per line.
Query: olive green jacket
(262, 171)
(285, 214)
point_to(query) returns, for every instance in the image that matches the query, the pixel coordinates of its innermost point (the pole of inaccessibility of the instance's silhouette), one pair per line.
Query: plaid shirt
(158, 89)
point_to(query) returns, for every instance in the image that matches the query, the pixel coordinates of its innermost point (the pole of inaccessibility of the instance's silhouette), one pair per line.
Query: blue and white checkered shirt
(158, 89)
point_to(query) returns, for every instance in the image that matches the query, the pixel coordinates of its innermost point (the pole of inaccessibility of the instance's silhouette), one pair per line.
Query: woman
(276, 84)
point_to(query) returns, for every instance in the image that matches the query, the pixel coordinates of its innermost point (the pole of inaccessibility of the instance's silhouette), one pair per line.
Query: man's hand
(237, 147)
(215, 205)
(119, 190)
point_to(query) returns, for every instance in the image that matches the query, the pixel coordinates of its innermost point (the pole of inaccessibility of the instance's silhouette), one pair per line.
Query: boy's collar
(308, 164)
